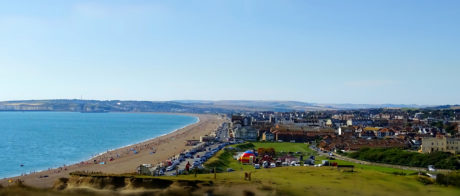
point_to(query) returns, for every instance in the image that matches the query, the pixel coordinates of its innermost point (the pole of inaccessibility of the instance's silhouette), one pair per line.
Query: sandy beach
(124, 160)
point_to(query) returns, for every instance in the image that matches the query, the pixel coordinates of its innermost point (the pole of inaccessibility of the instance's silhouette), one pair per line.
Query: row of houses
(342, 132)
(334, 142)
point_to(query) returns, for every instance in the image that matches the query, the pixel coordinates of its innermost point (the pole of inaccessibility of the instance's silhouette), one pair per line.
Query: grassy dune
(325, 181)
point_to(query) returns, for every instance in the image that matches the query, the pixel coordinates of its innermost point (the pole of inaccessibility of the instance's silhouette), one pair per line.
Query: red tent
(245, 157)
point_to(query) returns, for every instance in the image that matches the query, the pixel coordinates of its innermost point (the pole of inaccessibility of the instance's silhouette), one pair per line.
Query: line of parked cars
(192, 154)
(265, 164)
(210, 152)
(173, 163)
(308, 162)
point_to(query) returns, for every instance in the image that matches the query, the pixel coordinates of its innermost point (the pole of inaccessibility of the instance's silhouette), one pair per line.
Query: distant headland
(188, 106)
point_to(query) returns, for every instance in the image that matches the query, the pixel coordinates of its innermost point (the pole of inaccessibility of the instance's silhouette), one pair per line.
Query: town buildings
(352, 129)
(440, 143)
(245, 133)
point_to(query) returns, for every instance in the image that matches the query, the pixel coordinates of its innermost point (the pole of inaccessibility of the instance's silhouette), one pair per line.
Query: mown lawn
(223, 160)
(284, 147)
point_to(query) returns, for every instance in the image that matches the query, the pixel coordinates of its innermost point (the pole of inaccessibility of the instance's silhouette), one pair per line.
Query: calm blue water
(42, 140)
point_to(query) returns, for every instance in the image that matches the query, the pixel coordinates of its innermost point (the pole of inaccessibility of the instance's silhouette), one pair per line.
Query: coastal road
(222, 133)
(222, 136)
(182, 165)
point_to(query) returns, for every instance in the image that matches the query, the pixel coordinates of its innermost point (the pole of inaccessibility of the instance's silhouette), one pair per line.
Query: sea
(35, 141)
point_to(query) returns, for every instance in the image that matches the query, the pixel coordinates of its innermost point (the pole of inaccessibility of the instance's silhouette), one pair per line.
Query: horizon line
(223, 100)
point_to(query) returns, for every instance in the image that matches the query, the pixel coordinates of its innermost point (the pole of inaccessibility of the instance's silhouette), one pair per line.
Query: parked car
(265, 164)
(431, 168)
(257, 166)
(309, 162)
(272, 165)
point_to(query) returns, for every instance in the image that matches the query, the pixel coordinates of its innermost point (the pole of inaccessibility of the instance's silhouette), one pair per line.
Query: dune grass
(327, 181)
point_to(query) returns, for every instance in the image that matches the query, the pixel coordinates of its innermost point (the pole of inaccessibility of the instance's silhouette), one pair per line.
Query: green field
(366, 180)
(323, 181)
(227, 161)
(223, 160)
(367, 167)
(284, 146)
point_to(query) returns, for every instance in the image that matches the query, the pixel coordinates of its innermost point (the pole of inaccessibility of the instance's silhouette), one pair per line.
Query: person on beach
(187, 167)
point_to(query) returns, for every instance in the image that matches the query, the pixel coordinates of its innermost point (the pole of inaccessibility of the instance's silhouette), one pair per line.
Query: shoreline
(127, 159)
(96, 155)
(136, 143)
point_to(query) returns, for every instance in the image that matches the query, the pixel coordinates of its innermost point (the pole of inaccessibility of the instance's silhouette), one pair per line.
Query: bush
(398, 173)
(396, 156)
(424, 180)
(452, 178)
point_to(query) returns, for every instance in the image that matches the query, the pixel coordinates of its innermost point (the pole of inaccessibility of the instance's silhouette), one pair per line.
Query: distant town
(420, 130)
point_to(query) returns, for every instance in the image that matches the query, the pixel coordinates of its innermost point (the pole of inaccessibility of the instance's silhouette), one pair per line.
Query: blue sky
(315, 51)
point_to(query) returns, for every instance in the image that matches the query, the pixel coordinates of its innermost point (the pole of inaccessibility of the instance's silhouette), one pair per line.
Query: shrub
(452, 178)
(396, 156)
(424, 180)
(398, 173)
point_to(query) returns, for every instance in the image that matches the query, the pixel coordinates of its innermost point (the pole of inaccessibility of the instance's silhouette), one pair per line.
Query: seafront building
(245, 133)
(440, 143)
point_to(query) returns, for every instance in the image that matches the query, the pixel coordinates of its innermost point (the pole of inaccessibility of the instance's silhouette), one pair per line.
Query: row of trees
(396, 156)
